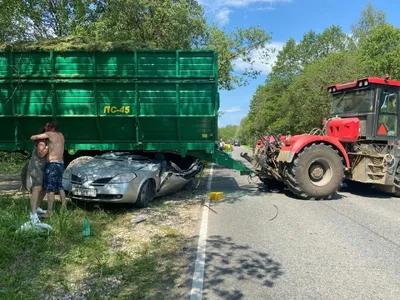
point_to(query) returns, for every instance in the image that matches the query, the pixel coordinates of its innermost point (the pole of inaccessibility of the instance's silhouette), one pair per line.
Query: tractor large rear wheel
(316, 173)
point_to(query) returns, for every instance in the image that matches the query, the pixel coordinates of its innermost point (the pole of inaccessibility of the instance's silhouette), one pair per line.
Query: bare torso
(56, 146)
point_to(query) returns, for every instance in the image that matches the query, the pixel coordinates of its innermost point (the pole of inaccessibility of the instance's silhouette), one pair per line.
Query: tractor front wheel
(316, 173)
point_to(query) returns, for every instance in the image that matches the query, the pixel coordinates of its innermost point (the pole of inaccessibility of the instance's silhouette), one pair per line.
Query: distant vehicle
(236, 144)
(125, 178)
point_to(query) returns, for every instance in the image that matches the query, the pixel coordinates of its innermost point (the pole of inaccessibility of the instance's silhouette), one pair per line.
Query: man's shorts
(53, 177)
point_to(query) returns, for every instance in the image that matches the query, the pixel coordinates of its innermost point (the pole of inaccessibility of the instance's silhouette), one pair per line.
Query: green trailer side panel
(147, 100)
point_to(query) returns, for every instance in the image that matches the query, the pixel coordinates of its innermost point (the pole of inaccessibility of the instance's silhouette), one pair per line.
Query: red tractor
(358, 142)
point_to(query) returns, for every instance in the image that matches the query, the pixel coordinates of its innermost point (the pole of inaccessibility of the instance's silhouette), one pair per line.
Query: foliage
(380, 51)
(153, 24)
(228, 132)
(370, 18)
(113, 263)
(245, 132)
(38, 19)
(13, 162)
(237, 46)
(293, 96)
(105, 25)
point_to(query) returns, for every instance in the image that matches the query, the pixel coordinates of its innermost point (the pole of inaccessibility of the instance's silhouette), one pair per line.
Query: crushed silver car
(125, 178)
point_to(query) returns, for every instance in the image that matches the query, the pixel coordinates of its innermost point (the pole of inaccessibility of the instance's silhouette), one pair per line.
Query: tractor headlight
(360, 84)
(123, 178)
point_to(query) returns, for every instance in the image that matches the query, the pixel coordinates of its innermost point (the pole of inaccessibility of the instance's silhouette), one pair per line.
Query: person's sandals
(34, 219)
(41, 211)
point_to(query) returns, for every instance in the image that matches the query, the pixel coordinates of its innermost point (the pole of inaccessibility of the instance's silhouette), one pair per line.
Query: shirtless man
(55, 166)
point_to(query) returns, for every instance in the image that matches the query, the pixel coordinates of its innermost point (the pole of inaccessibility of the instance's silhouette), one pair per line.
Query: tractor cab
(365, 109)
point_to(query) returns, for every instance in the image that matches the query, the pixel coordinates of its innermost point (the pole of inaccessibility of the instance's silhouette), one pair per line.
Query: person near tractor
(36, 169)
(228, 148)
(55, 165)
(221, 145)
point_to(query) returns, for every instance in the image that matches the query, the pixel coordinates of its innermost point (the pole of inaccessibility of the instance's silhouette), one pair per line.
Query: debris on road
(138, 220)
(277, 213)
(216, 196)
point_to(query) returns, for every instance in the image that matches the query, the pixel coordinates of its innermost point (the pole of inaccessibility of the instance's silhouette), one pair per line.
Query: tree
(237, 46)
(143, 24)
(12, 24)
(154, 24)
(245, 132)
(380, 51)
(42, 19)
(228, 132)
(181, 24)
(370, 18)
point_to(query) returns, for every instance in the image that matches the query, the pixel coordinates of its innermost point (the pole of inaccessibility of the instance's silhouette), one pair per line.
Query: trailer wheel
(79, 160)
(146, 194)
(316, 173)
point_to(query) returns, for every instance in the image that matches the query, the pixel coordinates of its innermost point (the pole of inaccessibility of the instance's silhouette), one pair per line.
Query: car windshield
(360, 101)
(121, 156)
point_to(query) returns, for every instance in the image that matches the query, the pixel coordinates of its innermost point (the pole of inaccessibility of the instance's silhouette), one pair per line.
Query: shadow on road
(228, 262)
(365, 190)
(235, 192)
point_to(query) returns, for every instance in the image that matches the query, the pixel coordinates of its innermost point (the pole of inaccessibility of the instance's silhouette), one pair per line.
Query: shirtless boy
(55, 166)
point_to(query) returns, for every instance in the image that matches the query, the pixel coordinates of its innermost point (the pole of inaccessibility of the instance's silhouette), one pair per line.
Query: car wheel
(146, 194)
(78, 161)
(26, 186)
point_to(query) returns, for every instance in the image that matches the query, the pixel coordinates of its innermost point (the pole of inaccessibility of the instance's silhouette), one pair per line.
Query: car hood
(103, 168)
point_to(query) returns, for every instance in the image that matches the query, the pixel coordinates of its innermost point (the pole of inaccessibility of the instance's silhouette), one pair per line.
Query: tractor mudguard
(297, 143)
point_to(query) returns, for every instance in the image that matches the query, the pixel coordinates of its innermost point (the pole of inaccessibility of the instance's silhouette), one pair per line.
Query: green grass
(63, 261)
(12, 162)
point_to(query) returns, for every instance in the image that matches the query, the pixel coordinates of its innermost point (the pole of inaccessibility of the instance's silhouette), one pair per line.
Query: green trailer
(163, 101)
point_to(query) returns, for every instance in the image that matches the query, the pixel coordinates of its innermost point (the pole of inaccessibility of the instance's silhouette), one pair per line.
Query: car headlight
(123, 178)
(67, 174)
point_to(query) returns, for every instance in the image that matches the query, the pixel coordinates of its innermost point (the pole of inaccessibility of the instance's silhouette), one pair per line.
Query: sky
(282, 19)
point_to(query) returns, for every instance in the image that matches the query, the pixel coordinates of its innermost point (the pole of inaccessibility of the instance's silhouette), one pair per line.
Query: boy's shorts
(53, 177)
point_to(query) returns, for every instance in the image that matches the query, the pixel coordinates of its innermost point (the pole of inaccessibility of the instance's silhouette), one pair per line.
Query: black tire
(273, 184)
(79, 160)
(146, 194)
(316, 173)
(397, 181)
(24, 178)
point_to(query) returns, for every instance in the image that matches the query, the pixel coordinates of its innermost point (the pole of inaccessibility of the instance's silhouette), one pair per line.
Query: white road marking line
(198, 275)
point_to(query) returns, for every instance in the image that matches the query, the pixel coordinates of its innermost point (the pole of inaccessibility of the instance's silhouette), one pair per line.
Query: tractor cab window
(387, 121)
(361, 101)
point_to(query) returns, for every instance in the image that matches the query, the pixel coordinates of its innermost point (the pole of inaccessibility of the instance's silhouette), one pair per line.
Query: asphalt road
(345, 248)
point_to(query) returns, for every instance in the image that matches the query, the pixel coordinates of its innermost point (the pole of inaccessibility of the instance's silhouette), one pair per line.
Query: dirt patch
(10, 184)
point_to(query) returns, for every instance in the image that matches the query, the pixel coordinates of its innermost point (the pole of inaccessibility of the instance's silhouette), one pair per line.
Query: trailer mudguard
(297, 144)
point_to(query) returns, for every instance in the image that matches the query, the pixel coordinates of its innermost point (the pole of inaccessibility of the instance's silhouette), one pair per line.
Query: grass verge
(119, 260)
(12, 162)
